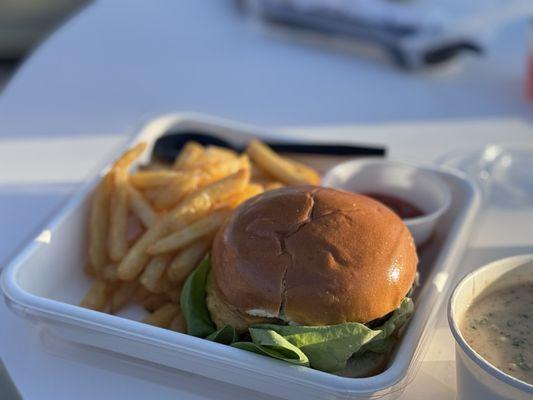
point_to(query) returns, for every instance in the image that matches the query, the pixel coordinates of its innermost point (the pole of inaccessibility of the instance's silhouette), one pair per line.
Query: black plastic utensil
(167, 147)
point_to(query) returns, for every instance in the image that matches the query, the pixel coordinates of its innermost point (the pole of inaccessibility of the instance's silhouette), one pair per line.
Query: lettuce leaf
(268, 342)
(327, 348)
(192, 301)
(225, 335)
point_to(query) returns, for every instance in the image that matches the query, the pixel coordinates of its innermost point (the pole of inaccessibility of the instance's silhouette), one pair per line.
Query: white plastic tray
(45, 282)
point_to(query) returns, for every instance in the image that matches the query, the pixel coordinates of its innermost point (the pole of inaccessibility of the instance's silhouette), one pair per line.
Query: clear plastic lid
(504, 172)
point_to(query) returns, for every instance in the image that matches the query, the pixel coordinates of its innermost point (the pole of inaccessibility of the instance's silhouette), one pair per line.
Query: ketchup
(400, 206)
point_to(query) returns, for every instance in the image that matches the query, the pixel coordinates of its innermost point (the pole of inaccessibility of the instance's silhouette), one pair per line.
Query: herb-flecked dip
(499, 327)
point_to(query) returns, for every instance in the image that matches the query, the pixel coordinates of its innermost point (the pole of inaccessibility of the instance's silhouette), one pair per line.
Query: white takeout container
(477, 378)
(408, 181)
(46, 282)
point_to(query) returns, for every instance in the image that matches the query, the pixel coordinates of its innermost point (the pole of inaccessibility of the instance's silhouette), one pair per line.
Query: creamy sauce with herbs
(499, 326)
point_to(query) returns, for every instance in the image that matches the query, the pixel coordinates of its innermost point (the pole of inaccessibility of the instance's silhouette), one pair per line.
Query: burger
(309, 275)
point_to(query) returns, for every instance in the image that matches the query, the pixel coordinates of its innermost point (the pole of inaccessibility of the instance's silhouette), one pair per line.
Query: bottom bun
(224, 314)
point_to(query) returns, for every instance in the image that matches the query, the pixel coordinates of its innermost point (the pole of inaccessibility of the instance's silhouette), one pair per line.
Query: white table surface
(118, 62)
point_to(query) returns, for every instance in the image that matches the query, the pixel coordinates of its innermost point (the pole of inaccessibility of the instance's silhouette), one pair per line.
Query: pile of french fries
(148, 229)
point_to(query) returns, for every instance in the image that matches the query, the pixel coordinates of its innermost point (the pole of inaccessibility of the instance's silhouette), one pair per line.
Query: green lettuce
(269, 343)
(192, 301)
(326, 348)
(225, 335)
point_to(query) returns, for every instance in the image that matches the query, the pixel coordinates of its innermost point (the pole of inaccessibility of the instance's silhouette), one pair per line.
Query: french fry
(97, 296)
(272, 185)
(140, 294)
(211, 155)
(163, 316)
(179, 188)
(220, 153)
(150, 278)
(118, 226)
(313, 177)
(154, 301)
(98, 224)
(189, 234)
(253, 189)
(215, 171)
(135, 228)
(174, 294)
(258, 175)
(109, 273)
(188, 259)
(188, 155)
(195, 179)
(198, 204)
(151, 179)
(136, 258)
(122, 295)
(192, 207)
(89, 269)
(141, 207)
(130, 155)
(277, 166)
(178, 324)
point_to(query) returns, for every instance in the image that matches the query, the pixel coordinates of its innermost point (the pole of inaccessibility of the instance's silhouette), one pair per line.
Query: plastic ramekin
(411, 182)
(476, 378)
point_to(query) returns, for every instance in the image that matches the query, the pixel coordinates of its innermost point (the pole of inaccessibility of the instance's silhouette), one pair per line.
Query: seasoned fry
(154, 301)
(89, 269)
(178, 324)
(126, 159)
(97, 296)
(153, 178)
(189, 234)
(140, 294)
(180, 187)
(211, 155)
(220, 153)
(258, 175)
(153, 272)
(187, 260)
(188, 155)
(187, 211)
(174, 294)
(135, 228)
(98, 224)
(196, 179)
(277, 166)
(109, 273)
(313, 177)
(136, 258)
(122, 295)
(272, 185)
(163, 316)
(218, 170)
(253, 189)
(118, 229)
(141, 207)
(215, 195)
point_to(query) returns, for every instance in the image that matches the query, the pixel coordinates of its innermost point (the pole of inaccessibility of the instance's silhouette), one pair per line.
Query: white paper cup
(476, 378)
(415, 184)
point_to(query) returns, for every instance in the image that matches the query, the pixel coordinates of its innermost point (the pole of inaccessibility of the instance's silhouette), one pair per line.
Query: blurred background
(24, 24)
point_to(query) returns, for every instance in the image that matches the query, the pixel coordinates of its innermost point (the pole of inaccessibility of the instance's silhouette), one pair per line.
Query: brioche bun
(309, 256)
